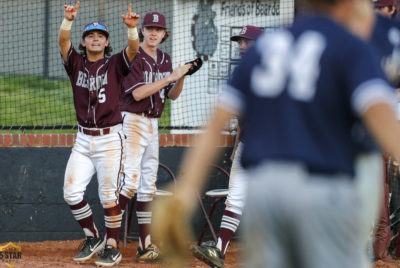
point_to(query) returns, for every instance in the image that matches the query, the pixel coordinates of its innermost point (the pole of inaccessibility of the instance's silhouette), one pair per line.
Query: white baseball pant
(91, 154)
(237, 184)
(141, 161)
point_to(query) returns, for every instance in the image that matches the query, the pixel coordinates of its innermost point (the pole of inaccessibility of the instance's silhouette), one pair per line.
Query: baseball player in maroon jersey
(211, 252)
(150, 82)
(96, 83)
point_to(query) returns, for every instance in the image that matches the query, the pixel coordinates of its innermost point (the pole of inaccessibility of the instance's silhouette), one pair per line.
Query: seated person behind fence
(211, 252)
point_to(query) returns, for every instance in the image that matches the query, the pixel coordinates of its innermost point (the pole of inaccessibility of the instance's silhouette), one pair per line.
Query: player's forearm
(194, 169)
(176, 90)
(133, 43)
(147, 90)
(64, 35)
(384, 126)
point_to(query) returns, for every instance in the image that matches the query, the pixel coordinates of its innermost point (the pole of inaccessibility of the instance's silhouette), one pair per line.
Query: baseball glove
(171, 227)
(196, 65)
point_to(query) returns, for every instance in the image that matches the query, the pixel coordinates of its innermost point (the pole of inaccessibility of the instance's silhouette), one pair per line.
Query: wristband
(133, 33)
(66, 24)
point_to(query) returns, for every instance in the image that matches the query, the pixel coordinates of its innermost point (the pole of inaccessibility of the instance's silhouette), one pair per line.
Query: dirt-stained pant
(141, 161)
(95, 154)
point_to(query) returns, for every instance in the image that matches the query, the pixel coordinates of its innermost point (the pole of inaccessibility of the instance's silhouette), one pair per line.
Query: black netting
(35, 91)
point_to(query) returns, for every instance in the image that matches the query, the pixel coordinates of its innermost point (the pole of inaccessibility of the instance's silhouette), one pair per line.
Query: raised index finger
(77, 5)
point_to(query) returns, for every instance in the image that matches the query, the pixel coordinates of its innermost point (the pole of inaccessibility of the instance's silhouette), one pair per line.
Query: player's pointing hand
(130, 19)
(70, 12)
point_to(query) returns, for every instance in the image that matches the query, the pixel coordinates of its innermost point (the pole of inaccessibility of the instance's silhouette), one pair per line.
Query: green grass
(165, 119)
(28, 101)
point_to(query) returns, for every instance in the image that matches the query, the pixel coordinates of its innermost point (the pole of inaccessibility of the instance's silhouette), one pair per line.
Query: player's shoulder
(139, 57)
(386, 32)
(163, 56)
(384, 23)
(322, 26)
(327, 27)
(340, 41)
(74, 55)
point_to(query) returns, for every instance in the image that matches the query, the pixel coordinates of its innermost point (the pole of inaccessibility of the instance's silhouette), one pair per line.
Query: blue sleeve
(241, 77)
(360, 66)
(365, 81)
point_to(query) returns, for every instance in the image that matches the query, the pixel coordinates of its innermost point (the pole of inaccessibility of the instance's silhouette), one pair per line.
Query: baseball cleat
(88, 248)
(210, 243)
(109, 257)
(210, 255)
(149, 255)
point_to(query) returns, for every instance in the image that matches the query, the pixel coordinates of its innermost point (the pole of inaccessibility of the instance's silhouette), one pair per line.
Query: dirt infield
(55, 254)
(380, 264)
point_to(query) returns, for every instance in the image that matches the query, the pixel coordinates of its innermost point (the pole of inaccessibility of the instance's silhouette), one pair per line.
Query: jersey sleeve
(135, 77)
(73, 60)
(366, 81)
(232, 94)
(122, 63)
(170, 70)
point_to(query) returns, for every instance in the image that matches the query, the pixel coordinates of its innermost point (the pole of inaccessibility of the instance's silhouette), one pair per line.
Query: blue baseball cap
(95, 26)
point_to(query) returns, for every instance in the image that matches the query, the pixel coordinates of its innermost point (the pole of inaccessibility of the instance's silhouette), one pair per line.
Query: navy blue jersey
(302, 91)
(385, 40)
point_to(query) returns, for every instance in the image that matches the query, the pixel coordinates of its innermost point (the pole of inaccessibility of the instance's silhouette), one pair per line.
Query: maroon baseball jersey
(145, 71)
(97, 87)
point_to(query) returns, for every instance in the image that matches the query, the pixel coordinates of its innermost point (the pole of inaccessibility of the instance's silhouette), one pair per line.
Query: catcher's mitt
(196, 65)
(171, 227)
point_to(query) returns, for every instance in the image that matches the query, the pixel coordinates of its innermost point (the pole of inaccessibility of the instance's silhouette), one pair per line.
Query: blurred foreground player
(301, 91)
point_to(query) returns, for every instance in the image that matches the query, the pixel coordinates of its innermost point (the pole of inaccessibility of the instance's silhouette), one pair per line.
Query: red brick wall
(67, 140)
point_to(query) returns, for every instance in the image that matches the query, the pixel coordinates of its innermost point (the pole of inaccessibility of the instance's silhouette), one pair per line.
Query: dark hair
(167, 33)
(107, 50)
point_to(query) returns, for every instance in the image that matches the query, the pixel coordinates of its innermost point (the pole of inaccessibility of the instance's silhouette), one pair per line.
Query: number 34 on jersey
(299, 60)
